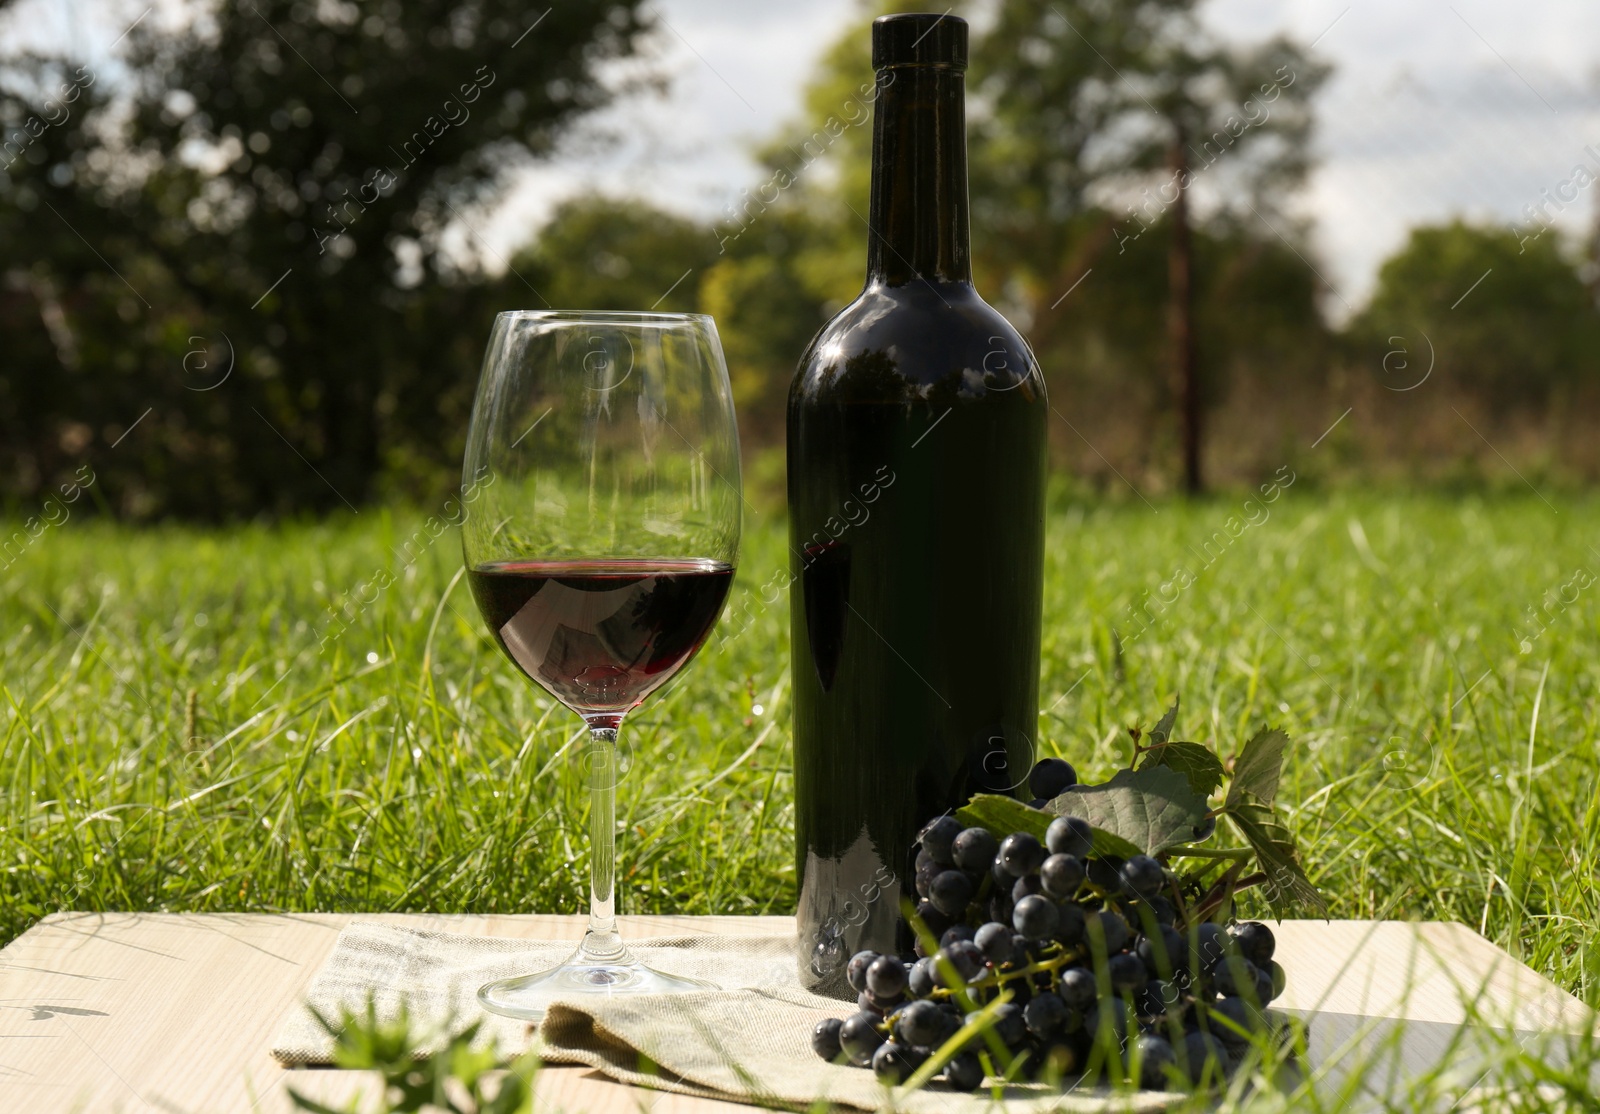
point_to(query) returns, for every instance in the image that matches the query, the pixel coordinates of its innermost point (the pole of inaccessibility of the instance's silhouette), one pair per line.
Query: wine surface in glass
(601, 635)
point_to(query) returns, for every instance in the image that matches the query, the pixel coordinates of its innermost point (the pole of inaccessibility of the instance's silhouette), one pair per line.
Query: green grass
(174, 735)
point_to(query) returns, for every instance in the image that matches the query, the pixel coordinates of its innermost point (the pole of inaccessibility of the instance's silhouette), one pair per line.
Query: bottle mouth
(919, 39)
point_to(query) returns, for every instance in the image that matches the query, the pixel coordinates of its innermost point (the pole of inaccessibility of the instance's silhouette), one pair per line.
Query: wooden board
(176, 1012)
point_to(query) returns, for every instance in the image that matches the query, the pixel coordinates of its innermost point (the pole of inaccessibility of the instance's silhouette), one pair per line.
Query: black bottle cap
(919, 39)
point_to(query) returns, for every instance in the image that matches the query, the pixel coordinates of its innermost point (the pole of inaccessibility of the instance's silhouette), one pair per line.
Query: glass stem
(601, 943)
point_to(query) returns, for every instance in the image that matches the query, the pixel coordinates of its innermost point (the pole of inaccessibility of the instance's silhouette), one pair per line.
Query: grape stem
(1238, 854)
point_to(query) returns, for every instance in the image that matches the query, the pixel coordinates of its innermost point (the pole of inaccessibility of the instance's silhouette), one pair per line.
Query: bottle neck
(919, 178)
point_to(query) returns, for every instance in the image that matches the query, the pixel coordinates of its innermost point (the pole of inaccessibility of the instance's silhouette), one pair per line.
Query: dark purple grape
(1127, 973)
(894, 1062)
(1254, 941)
(1234, 1021)
(919, 980)
(1022, 854)
(1009, 1025)
(994, 941)
(937, 837)
(1153, 1058)
(925, 876)
(965, 957)
(1073, 924)
(1038, 803)
(921, 1025)
(825, 1039)
(1278, 979)
(1036, 917)
(1069, 835)
(1107, 931)
(1105, 874)
(974, 850)
(1156, 997)
(1000, 907)
(1051, 777)
(1143, 877)
(859, 1038)
(964, 1072)
(950, 892)
(856, 972)
(1163, 952)
(886, 978)
(932, 919)
(1077, 988)
(956, 932)
(1046, 1015)
(1026, 886)
(1207, 943)
(1061, 875)
(1203, 1057)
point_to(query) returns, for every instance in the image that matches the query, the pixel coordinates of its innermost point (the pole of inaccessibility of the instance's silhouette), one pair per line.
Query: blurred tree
(1507, 318)
(1095, 107)
(282, 208)
(622, 254)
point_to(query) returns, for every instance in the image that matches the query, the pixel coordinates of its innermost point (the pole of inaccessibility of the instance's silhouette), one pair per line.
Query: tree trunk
(1180, 317)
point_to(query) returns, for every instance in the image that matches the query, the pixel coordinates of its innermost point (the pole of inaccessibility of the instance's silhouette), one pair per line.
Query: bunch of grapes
(1052, 961)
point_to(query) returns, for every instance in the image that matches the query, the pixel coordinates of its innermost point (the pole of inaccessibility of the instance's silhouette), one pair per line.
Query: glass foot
(527, 996)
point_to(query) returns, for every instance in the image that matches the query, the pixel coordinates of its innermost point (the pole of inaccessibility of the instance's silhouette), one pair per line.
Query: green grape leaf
(1004, 815)
(1195, 761)
(1162, 731)
(1256, 770)
(1287, 889)
(1150, 809)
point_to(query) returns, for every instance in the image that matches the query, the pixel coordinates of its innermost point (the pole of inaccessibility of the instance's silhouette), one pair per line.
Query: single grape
(1254, 941)
(925, 876)
(1155, 998)
(921, 1025)
(1026, 886)
(974, 850)
(894, 1062)
(932, 919)
(1071, 930)
(1207, 944)
(1234, 1020)
(920, 980)
(965, 957)
(937, 837)
(1278, 978)
(1163, 952)
(1038, 803)
(1021, 854)
(1143, 876)
(1036, 917)
(1061, 876)
(1077, 988)
(1153, 1057)
(1051, 777)
(994, 940)
(964, 1072)
(1126, 972)
(1204, 1058)
(1045, 1015)
(1105, 874)
(1069, 835)
(868, 1002)
(1107, 931)
(886, 978)
(1009, 1025)
(859, 1038)
(825, 1039)
(923, 859)
(950, 892)
(1000, 907)
(956, 932)
(856, 972)
(1106, 1022)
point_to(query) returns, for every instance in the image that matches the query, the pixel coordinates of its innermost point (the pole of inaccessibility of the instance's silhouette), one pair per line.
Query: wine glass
(604, 459)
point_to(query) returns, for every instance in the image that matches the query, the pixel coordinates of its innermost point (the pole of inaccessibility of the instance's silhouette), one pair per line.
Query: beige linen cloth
(749, 1041)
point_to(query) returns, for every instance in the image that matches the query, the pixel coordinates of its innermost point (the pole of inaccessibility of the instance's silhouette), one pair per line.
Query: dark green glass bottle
(916, 453)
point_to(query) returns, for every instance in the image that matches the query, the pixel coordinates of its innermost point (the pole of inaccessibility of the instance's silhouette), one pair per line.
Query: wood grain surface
(176, 1012)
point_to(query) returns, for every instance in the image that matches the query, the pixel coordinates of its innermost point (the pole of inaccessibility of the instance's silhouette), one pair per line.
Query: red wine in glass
(600, 636)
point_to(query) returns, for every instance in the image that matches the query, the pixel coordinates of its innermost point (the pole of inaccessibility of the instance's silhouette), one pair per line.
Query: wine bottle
(916, 470)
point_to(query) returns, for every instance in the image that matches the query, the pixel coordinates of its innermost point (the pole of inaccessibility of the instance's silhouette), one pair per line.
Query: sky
(1473, 108)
